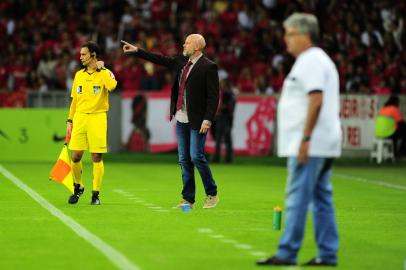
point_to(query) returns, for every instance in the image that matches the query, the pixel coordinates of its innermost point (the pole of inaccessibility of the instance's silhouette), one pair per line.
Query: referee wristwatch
(69, 121)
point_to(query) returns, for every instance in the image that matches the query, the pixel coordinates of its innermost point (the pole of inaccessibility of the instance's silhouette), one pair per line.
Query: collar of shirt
(196, 59)
(90, 72)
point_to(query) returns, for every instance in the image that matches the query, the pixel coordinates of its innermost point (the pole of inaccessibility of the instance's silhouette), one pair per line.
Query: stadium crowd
(41, 41)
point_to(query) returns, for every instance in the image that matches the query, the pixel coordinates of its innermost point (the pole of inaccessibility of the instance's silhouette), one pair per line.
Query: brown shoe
(211, 201)
(183, 202)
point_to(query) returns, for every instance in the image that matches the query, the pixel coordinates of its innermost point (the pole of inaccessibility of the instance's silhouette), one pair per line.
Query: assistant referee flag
(62, 170)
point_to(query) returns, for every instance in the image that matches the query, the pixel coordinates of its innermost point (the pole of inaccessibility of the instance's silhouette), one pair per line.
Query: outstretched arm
(149, 56)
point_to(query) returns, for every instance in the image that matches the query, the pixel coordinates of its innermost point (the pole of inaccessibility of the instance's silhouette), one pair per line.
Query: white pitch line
(149, 204)
(119, 190)
(258, 253)
(228, 241)
(162, 210)
(243, 246)
(376, 182)
(108, 251)
(205, 230)
(218, 236)
(236, 244)
(125, 193)
(155, 207)
(152, 206)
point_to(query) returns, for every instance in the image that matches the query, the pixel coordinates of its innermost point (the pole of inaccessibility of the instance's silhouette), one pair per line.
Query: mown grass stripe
(108, 251)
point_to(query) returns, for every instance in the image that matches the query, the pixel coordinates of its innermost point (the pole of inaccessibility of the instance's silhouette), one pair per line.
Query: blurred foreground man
(309, 135)
(87, 121)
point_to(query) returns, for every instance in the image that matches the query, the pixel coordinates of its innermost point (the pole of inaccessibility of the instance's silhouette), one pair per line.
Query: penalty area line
(114, 256)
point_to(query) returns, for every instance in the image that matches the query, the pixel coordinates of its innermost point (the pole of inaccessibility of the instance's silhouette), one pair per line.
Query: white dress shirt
(181, 115)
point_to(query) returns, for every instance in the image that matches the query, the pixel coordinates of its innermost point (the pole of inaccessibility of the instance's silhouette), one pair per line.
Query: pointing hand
(128, 48)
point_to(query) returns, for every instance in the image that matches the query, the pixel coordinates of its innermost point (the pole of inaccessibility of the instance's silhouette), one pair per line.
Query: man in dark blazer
(194, 101)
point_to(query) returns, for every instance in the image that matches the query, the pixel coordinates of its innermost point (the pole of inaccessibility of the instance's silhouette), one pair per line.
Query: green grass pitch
(136, 217)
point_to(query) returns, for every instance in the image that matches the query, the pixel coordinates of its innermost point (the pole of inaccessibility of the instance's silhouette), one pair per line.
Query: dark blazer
(202, 85)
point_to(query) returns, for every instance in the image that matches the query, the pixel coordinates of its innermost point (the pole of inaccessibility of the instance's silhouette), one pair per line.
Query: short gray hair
(304, 23)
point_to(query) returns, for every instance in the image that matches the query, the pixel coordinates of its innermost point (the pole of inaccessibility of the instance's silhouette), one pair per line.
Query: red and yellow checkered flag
(62, 170)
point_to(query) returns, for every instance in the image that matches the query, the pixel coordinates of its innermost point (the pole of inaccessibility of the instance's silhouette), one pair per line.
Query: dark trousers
(399, 139)
(223, 133)
(191, 153)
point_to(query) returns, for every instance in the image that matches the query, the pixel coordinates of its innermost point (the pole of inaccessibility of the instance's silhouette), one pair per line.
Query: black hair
(393, 100)
(92, 47)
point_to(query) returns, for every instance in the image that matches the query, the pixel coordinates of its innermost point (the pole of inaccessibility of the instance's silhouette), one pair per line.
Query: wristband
(306, 139)
(69, 121)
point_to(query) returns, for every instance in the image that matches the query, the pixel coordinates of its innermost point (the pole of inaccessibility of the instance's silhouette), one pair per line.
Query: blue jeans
(190, 154)
(309, 184)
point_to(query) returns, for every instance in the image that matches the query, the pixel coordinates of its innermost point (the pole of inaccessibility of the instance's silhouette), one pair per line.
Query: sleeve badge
(112, 75)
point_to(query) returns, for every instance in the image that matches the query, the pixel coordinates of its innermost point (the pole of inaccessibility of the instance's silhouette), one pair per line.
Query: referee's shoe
(95, 198)
(74, 198)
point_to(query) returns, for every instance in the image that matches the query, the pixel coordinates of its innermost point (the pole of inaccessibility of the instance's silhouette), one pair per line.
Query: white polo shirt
(313, 70)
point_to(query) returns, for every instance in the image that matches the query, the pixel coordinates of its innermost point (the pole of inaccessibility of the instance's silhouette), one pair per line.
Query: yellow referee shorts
(89, 132)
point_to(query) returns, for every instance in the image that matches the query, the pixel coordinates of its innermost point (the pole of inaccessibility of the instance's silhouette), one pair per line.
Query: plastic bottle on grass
(277, 218)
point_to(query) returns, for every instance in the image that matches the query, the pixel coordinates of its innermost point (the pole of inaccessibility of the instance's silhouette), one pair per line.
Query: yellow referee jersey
(90, 91)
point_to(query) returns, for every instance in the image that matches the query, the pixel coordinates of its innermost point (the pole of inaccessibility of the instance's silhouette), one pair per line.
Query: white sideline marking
(130, 196)
(162, 210)
(119, 191)
(258, 253)
(149, 204)
(216, 236)
(209, 232)
(108, 251)
(205, 230)
(228, 241)
(365, 180)
(243, 246)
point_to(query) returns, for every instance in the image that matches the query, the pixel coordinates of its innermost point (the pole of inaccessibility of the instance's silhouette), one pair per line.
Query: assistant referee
(87, 121)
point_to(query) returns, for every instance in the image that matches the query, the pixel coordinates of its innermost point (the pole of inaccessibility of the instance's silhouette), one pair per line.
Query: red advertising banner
(252, 133)
(358, 120)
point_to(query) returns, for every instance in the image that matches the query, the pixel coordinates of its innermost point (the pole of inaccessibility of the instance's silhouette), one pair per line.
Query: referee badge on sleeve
(112, 75)
(79, 89)
(96, 89)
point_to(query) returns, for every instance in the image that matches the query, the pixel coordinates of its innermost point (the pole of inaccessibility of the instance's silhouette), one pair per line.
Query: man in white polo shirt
(309, 135)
